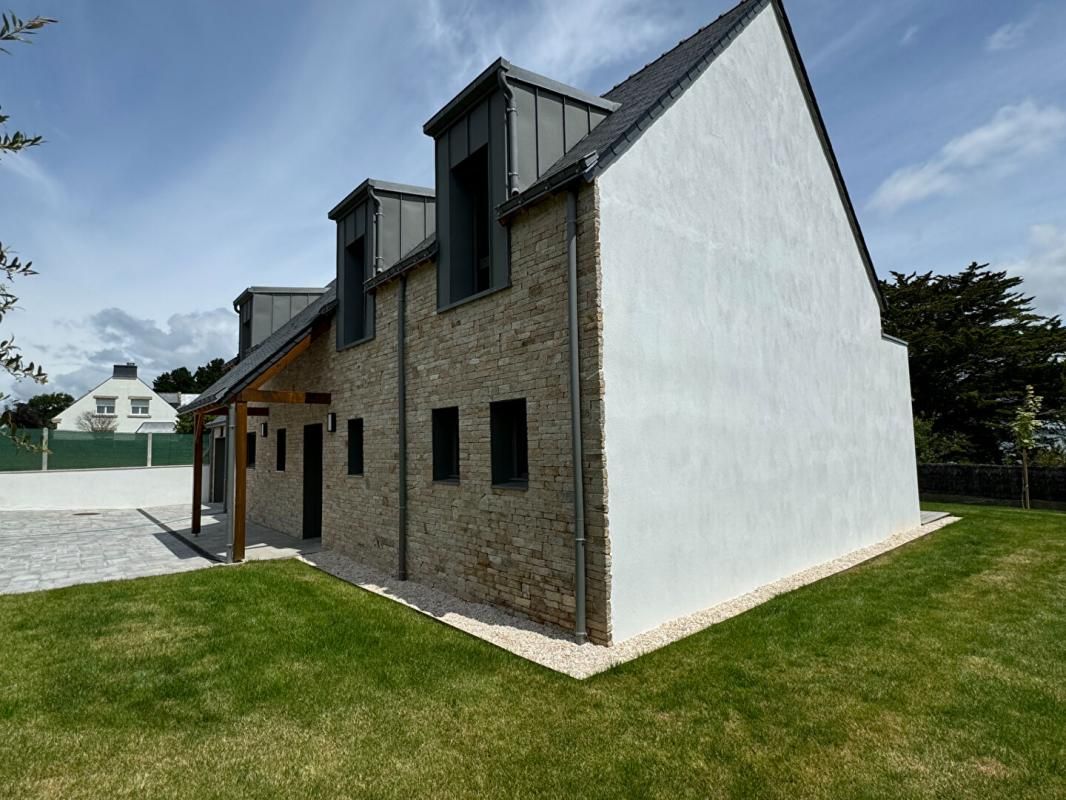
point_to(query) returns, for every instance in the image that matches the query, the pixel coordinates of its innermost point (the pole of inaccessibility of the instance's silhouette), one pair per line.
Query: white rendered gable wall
(756, 423)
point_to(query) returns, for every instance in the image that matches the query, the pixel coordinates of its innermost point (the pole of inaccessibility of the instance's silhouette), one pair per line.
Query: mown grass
(935, 670)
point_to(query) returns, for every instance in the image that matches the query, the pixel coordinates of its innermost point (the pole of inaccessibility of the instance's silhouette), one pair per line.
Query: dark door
(312, 527)
(218, 471)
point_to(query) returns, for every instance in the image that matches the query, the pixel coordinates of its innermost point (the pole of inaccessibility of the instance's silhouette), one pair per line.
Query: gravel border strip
(555, 649)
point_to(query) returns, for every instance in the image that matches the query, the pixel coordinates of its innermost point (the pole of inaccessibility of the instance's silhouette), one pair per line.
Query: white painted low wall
(129, 487)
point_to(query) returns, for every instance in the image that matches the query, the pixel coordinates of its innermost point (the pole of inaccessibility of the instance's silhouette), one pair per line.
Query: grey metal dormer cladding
(262, 310)
(378, 223)
(506, 114)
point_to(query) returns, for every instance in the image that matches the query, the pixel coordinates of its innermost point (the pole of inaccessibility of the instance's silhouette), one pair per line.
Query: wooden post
(240, 478)
(197, 470)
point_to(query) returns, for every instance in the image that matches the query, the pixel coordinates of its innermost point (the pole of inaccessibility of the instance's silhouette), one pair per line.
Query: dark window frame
(472, 223)
(445, 441)
(250, 448)
(281, 449)
(354, 317)
(509, 441)
(356, 465)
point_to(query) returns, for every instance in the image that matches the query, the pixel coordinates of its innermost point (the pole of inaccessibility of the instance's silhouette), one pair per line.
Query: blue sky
(194, 148)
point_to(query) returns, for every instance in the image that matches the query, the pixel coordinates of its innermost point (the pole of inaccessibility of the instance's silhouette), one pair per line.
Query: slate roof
(267, 352)
(419, 254)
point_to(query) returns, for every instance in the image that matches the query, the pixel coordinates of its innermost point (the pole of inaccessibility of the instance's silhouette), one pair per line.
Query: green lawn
(936, 670)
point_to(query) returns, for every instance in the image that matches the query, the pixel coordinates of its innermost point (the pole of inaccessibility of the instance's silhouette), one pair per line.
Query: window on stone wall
(446, 444)
(355, 447)
(281, 447)
(250, 438)
(510, 447)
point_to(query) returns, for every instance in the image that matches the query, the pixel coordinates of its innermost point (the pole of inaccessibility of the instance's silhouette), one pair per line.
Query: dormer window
(472, 224)
(246, 328)
(377, 225)
(353, 320)
(264, 309)
(498, 137)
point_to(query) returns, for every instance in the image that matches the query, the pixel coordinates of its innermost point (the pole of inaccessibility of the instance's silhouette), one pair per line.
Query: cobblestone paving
(50, 549)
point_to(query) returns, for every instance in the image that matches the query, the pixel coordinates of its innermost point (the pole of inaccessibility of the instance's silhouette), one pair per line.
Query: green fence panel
(13, 458)
(170, 449)
(81, 450)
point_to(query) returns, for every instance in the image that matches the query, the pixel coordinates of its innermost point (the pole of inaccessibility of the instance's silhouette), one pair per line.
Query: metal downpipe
(401, 413)
(511, 133)
(375, 244)
(580, 627)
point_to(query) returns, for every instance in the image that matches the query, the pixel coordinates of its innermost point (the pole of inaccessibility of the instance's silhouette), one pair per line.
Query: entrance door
(218, 471)
(312, 527)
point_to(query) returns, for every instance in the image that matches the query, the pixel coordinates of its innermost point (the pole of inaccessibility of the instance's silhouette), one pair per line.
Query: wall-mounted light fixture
(263, 429)
(331, 422)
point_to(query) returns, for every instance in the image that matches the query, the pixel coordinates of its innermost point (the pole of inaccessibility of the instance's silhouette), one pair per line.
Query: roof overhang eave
(584, 169)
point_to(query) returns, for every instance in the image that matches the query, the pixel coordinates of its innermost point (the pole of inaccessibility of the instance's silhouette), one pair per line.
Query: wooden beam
(274, 369)
(240, 478)
(258, 412)
(212, 410)
(264, 396)
(197, 470)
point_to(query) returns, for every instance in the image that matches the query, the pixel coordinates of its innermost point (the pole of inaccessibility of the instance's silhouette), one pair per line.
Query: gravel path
(555, 649)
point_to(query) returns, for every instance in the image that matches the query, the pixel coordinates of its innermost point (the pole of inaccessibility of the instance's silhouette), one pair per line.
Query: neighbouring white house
(127, 400)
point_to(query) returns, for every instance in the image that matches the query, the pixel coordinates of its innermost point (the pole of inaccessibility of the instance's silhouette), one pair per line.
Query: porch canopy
(242, 385)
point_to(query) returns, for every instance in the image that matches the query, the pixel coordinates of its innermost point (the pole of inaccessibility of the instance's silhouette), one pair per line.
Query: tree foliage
(188, 382)
(1025, 426)
(38, 411)
(975, 344)
(13, 29)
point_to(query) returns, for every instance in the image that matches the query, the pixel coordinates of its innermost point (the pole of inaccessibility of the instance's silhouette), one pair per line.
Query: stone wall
(359, 514)
(508, 547)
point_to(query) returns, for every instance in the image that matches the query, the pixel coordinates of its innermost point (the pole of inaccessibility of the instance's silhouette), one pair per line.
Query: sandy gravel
(555, 649)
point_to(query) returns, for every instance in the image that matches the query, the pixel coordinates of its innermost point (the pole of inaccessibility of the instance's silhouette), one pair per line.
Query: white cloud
(1009, 36)
(113, 336)
(909, 36)
(24, 166)
(1015, 135)
(565, 41)
(1044, 268)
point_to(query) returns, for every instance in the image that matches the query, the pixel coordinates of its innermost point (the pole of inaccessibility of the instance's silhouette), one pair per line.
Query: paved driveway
(49, 549)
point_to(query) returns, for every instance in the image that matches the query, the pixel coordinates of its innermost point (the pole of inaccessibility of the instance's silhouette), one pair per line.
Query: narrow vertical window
(246, 326)
(353, 303)
(446, 444)
(250, 438)
(471, 226)
(355, 447)
(510, 450)
(281, 447)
